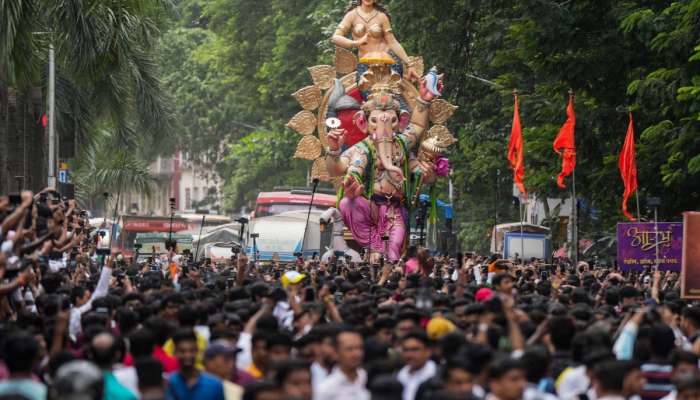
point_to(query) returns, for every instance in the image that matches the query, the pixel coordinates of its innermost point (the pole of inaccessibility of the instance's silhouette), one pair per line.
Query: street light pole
(51, 98)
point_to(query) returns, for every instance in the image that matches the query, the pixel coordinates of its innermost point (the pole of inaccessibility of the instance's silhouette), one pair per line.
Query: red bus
(129, 226)
(286, 199)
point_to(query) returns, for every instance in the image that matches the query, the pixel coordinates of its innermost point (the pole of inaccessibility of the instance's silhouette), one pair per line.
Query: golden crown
(382, 83)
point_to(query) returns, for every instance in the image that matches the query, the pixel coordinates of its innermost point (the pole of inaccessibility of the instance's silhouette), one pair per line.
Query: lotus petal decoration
(441, 136)
(319, 170)
(303, 123)
(349, 80)
(345, 61)
(440, 111)
(308, 97)
(323, 76)
(308, 148)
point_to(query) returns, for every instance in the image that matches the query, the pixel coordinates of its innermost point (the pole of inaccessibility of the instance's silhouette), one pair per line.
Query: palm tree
(106, 169)
(106, 74)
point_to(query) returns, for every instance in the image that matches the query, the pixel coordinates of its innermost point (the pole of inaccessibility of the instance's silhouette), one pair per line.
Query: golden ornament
(345, 61)
(323, 76)
(309, 97)
(303, 123)
(308, 148)
(440, 111)
(441, 136)
(349, 81)
(319, 170)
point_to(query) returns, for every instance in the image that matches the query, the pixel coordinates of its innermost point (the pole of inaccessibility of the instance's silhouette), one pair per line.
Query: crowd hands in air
(79, 325)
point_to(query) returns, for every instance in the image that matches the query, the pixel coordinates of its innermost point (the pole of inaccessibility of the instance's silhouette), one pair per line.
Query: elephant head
(381, 119)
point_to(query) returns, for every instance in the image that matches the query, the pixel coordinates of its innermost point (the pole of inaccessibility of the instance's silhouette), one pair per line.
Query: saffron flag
(565, 145)
(628, 168)
(515, 150)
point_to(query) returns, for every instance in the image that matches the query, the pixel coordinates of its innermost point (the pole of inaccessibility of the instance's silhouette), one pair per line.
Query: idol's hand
(336, 138)
(425, 94)
(353, 188)
(412, 75)
(361, 41)
(427, 171)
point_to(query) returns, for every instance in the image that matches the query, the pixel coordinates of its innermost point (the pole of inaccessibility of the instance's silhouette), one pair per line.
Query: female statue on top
(370, 27)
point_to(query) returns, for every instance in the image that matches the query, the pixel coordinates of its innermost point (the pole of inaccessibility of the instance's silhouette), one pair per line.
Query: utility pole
(51, 98)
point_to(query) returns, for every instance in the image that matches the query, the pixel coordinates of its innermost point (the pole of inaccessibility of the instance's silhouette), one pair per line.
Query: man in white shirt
(419, 368)
(324, 355)
(82, 300)
(284, 310)
(348, 380)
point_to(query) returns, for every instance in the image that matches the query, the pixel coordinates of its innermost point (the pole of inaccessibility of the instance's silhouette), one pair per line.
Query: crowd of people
(78, 322)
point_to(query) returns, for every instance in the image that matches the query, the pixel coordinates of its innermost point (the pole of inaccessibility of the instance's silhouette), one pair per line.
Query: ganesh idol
(377, 173)
(381, 124)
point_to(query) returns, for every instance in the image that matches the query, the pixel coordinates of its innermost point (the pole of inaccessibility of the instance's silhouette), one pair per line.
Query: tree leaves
(106, 168)
(232, 65)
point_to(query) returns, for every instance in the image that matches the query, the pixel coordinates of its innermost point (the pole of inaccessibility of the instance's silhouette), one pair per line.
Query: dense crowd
(81, 323)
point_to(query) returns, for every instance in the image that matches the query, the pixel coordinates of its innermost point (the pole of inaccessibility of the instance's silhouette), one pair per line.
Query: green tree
(616, 56)
(231, 68)
(243, 58)
(106, 169)
(106, 74)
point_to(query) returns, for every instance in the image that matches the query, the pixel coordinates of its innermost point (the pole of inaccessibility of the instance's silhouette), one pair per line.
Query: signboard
(63, 176)
(637, 245)
(690, 275)
(155, 242)
(533, 245)
(143, 225)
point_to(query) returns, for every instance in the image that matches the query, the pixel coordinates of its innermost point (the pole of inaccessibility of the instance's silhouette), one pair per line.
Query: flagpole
(636, 189)
(520, 197)
(574, 210)
(574, 218)
(522, 240)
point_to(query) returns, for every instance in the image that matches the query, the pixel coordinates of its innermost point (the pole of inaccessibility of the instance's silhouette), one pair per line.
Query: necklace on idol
(376, 12)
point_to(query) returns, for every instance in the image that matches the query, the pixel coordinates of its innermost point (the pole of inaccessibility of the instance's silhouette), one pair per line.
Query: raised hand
(412, 75)
(336, 138)
(27, 198)
(425, 94)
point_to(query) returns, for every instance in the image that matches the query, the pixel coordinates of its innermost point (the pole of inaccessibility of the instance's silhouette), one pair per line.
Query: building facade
(193, 187)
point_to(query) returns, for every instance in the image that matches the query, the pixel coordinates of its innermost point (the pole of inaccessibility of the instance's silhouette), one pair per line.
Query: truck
(280, 236)
(535, 242)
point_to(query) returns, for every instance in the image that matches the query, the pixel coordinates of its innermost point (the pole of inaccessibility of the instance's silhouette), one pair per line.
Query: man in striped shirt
(658, 369)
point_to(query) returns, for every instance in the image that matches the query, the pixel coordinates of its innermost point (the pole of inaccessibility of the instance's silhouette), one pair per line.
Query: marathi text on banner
(638, 243)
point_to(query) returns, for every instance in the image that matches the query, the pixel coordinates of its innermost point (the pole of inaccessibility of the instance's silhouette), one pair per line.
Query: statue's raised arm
(370, 30)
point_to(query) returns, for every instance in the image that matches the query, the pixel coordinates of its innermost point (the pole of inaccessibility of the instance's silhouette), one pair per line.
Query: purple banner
(637, 245)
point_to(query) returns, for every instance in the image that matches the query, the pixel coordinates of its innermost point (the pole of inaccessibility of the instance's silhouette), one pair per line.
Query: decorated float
(373, 125)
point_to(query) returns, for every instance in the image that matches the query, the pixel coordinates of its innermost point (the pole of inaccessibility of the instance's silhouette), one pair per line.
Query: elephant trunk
(384, 143)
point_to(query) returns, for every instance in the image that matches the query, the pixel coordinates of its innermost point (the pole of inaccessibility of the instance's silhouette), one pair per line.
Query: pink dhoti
(370, 220)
